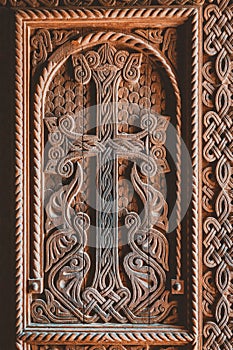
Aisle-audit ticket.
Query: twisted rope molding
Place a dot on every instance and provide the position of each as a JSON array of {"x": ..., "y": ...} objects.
[
  {"x": 37, "y": 261},
  {"x": 196, "y": 285},
  {"x": 168, "y": 12},
  {"x": 135, "y": 337},
  {"x": 19, "y": 181}
]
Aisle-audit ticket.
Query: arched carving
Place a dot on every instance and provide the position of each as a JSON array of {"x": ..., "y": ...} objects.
[{"x": 68, "y": 262}]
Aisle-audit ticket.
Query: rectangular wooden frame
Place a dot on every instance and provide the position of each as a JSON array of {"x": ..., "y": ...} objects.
[{"x": 206, "y": 323}]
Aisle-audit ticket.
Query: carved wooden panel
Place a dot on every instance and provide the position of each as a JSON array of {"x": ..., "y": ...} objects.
[{"x": 124, "y": 174}]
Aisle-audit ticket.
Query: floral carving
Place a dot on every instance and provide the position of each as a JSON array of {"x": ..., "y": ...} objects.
[
  {"x": 44, "y": 41},
  {"x": 165, "y": 40}
]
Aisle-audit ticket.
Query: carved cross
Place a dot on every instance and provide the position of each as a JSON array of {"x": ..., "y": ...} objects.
[
  {"x": 107, "y": 67},
  {"x": 107, "y": 297}
]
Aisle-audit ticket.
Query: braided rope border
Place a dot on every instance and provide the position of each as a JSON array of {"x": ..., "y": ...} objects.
[
  {"x": 37, "y": 260},
  {"x": 19, "y": 180},
  {"x": 155, "y": 338},
  {"x": 123, "y": 13},
  {"x": 88, "y": 14},
  {"x": 195, "y": 134}
]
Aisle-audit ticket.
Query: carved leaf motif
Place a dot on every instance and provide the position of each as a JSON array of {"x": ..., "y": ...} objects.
[
  {"x": 42, "y": 44},
  {"x": 71, "y": 276},
  {"x": 131, "y": 71},
  {"x": 153, "y": 202},
  {"x": 138, "y": 272},
  {"x": 145, "y": 274},
  {"x": 57, "y": 245},
  {"x": 61, "y": 215},
  {"x": 156, "y": 244},
  {"x": 59, "y": 37},
  {"x": 169, "y": 45},
  {"x": 153, "y": 35},
  {"x": 82, "y": 71},
  {"x": 163, "y": 40},
  {"x": 49, "y": 310}
]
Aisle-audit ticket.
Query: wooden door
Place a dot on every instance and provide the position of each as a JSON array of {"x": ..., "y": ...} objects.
[{"x": 123, "y": 174}]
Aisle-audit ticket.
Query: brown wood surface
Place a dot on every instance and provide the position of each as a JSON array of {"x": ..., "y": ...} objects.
[{"x": 96, "y": 88}]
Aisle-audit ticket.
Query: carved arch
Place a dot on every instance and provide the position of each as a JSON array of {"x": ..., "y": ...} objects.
[
  {"x": 59, "y": 57},
  {"x": 58, "y": 60},
  {"x": 84, "y": 42}
]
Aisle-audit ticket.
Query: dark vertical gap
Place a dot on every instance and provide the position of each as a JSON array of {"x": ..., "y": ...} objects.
[
  {"x": 7, "y": 161},
  {"x": 184, "y": 69}
]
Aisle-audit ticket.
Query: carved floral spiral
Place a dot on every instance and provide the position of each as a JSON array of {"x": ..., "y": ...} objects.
[
  {"x": 148, "y": 167},
  {"x": 82, "y": 70},
  {"x": 131, "y": 71},
  {"x": 148, "y": 122},
  {"x": 82, "y": 221},
  {"x": 66, "y": 124},
  {"x": 65, "y": 168},
  {"x": 159, "y": 136},
  {"x": 56, "y": 138},
  {"x": 56, "y": 153},
  {"x": 120, "y": 58},
  {"x": 93, "y": 59},
  {"x": 132, "y": 220}
]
